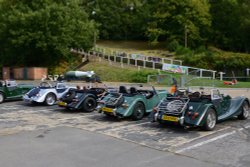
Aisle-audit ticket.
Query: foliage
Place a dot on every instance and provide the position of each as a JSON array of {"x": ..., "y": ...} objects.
[
  {"x": 118, "y": 19},
  {"x": 217, "y": 60},
  {"x": 173, "y": 45},
  {"x": 231, "y": 24},
  {"x": 180, "y": 50},
  {"x": 141, "y": 76},
  {"x": 173, "y": 18},
  {"x": 41, "y": 33}
]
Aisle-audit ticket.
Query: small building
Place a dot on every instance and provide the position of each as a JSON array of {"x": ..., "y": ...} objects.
[{"x": 24, "y": 73}]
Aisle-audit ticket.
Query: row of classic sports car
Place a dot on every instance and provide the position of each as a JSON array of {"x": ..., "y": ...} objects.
[{"x": 188, "y": 109}]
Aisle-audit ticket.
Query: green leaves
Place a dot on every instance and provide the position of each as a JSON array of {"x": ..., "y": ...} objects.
[
  {"x": 176, "y": 17},
  {"x": 42, "y": 30}
]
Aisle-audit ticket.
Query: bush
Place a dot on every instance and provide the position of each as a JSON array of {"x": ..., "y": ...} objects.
[
  {"x": 141, "y": 76},
  {"x": 173, "y": 45},
  {"x": 201, "y": 49},
  {"x": 183, "y": 51}
]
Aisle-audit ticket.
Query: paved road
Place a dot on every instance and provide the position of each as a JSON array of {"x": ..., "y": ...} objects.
[{"x": 50, "y": 136}]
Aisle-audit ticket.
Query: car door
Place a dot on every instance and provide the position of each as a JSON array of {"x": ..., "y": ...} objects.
[
  {"x": 12, "y": 90},
  {"x": 217, "y": 101},
  {"x": 152, "y": 99},
  {"x": 60, "y": 89}
]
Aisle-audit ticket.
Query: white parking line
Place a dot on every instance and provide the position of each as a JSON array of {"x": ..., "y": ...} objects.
[
  {"x": 202, "y": 136},
  {"x": 211, "y": 140}
]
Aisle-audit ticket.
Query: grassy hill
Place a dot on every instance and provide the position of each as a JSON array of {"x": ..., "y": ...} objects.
[{"x": 114, "y": 73}]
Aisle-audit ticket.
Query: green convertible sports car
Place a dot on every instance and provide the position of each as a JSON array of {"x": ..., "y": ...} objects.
[
  {"x": 9, "y": 89},
  {"x": 200, "y": 109},
  {"x": 134, "y": 103}
]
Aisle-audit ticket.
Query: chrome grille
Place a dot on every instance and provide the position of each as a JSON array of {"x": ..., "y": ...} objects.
[{"x": 172, "y": 106}]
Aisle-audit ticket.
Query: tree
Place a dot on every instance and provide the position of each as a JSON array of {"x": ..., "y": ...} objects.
[
  {"x": 119, "y": 19},
  {"x": 41, "y": 32},
  {"x": 225, "y": 23},
  {"x": 173, "y": 18}
]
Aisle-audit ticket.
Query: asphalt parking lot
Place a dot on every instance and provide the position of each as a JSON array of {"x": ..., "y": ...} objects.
[{"x": 50, "y": 136}]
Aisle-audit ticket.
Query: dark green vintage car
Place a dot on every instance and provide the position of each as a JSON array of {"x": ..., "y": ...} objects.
[
  {"x": 199, "y": 109},
  {"x": 135, "y": 102},
  {"x": 9, "y": 90}
]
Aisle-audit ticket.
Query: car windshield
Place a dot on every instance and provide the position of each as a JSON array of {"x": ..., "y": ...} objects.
[{"x": 45, "y": 85}]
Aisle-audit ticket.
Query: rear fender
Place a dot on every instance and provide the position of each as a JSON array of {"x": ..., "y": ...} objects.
[
  {"x": 199, "y": 121},
  {"x": 129, "y": 110},
  {"x": 84, "y": 98}
]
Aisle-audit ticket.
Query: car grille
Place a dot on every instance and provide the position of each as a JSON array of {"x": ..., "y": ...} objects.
[{"x": 172, "y": 106}]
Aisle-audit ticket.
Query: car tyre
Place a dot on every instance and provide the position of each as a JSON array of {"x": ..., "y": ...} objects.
[
  {"x": 1, "y": 97},
  {"x": 50, "y": 99},
  {"x": 210, "y": 121},
  {"x": 245, "y": 111},
  {"x": 89, "y": 104},
  {"x": 138, "y": 111}
]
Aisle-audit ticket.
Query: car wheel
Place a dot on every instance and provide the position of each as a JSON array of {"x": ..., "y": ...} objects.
[
  {"x": 1, "y": 97},
  {"x": 245, "y": 111},
  {"x": 210, "y": 120},
  {"x": 89, "y": 104},
  {"x": 50, "y": 99},
  {"x": 138, "y": 111}
]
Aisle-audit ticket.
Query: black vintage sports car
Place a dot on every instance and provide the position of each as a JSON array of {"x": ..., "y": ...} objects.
[{"x": 83, "y": 100}]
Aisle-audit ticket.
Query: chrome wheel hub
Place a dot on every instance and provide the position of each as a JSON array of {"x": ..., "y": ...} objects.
[
  {"x": 1, "y": 98},
  {"x": 50, "y": 100},
  {"x": 211, "y": 120},
  {"x": 245, "y": 111}
]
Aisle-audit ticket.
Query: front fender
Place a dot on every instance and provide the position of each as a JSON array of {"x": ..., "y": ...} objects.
[
  {"x": 41, "y": 98},
  {"x": 235, "y": 106}
]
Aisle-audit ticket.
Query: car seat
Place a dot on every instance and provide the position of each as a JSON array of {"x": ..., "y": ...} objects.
[
  {"x": 122, "y": 89},
  {"x": 133, "y": 90}
]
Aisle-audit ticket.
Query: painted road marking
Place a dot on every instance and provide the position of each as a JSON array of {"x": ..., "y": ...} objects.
[
  {"x": 211, "y": 140},
  {"x": 200, "y": 137}
]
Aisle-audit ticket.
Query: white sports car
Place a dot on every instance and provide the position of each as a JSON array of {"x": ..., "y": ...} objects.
[{"x": 46, "y": 93}]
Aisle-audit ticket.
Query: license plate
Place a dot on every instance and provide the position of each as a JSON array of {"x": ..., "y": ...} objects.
[
  {"x": 170, "y": 118},
  {"x": 105, "y": 109},
  {"x": 61, "y": 103}
]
